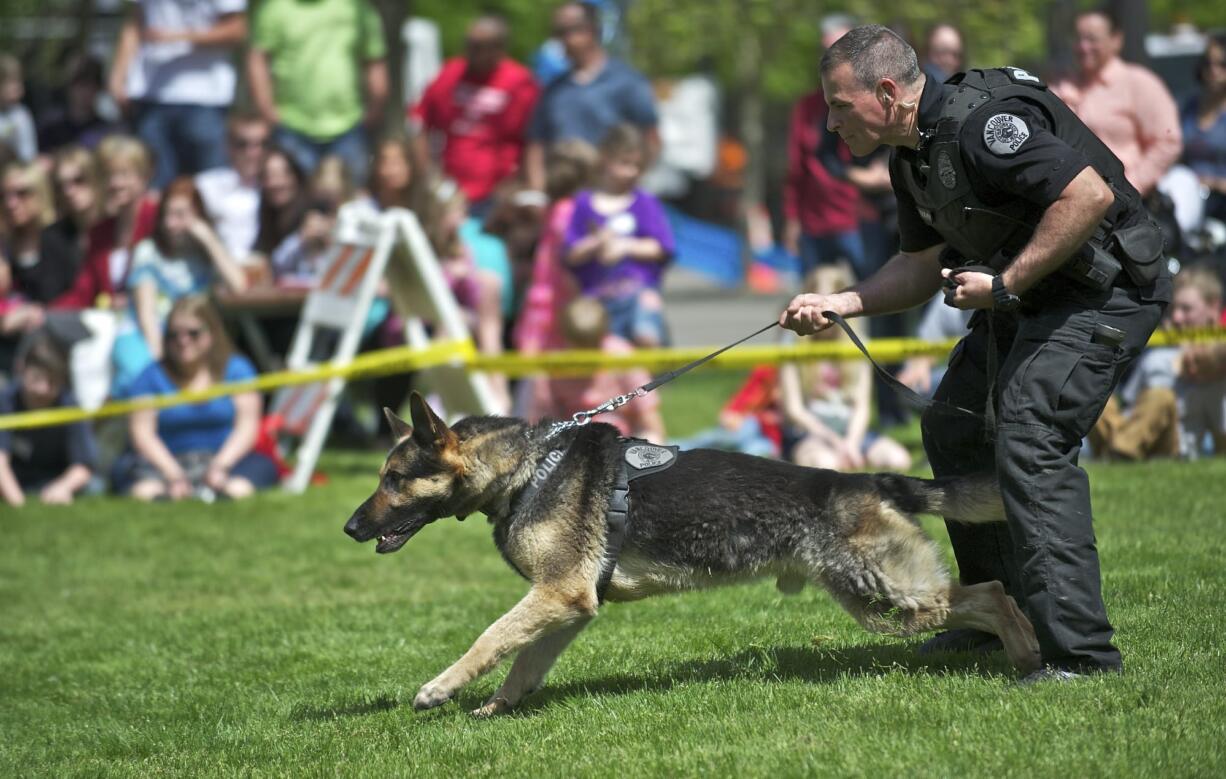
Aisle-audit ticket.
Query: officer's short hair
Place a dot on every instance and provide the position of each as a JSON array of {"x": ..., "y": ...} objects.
[{"x": 874, "y": 52}]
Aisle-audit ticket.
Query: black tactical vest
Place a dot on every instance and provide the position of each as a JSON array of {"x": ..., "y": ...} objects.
[{"x": 993, "y": 233}]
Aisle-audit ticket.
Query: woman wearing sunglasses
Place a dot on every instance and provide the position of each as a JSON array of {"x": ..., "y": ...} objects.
[
  {"x": 35, "y": 263},
  {"x": 204, "y": 449}
]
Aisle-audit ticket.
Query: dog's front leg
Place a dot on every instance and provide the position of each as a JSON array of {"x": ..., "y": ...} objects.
[
  {"x": 541, "y": 611},
  {"x": 530, "y": 667}
]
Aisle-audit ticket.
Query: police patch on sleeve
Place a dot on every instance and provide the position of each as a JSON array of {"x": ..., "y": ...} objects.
[{"x": 1004, "y": 134}]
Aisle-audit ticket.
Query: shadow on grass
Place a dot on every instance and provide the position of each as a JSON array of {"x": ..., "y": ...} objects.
[
  {"x": 754, "y": 663},
  {"x": 779, "y": 663},
  {"x": 306, "y": 713}
]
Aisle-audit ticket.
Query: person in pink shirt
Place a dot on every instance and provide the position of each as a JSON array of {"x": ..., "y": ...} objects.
[
  {"x": 1125, "y": 105},
  {"x": 570, "y": 166},
  {"x": 478, "y": 109}
]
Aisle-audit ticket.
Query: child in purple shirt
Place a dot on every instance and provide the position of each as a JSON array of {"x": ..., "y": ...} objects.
[{"x": 619, "y": 241}]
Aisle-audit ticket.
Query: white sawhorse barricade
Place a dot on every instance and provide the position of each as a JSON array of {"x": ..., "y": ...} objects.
[{"x": 366, "y": 247}]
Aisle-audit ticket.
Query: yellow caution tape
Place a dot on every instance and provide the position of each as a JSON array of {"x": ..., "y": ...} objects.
[
  {"x": 1196, "y": 335},
  {"x": 462, "y": 354},
  {"x": 364, "y": 366}
]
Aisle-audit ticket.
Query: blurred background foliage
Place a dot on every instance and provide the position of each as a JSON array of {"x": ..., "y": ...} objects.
[
  {"x": 763, "y": 53},
  {"x": 672, "y": 37}
]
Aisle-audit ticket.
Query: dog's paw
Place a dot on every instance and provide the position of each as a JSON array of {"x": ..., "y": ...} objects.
[
  {"x": 494, "y": 707},
  {"x": 431, "y": 695}
]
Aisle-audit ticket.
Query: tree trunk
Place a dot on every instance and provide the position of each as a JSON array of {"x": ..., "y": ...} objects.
[
  {"x": 1133, "y": 16},
  {"x": 1060, "y": 57},
  {"x": 394, "y": 14}
]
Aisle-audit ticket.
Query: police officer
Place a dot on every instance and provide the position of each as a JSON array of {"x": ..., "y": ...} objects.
[{"x": 1007, "y": 200}]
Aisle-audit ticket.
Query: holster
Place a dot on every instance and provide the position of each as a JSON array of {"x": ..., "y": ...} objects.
[
  {"x": 1092, "y": 266},
  {"x": 1139, "y": 248}
]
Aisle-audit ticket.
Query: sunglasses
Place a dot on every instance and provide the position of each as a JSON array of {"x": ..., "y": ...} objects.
[{"x": 185, "y": 333}]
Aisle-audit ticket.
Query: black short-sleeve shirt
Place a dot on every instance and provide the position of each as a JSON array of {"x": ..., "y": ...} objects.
[
  {"x": 1036, "y": 170},
  {"x": 52, "y": 271}
]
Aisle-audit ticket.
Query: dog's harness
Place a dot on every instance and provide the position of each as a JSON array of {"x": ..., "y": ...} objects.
[{"x": 637, "y": 458}]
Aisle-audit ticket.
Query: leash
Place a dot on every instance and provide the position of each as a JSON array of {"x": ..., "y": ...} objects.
[
  {"x": 913, "y": 398},
  {"x": 581, "y": 418}
]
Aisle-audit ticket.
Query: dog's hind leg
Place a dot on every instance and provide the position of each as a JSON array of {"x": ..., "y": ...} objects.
[
  {"x": 989, "y": 608},
  {"x": 542, "y": 610},
  {"x": 530, "y": 668}
]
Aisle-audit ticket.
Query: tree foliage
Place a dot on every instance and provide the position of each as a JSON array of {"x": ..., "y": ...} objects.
[
  {"x": 673, "y": 36},
  {"x": 670, "y": 37}
]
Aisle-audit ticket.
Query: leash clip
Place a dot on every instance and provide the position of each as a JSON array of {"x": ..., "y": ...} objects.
[{"x": 581, "y": 418}]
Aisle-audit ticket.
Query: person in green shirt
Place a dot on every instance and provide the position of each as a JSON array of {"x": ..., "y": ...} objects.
[{"x": 318, "y": 74}]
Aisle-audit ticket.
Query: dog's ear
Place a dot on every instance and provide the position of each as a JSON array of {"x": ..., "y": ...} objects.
[
  {"x": 400, "y": 428},
  {"x": 428, "y": 429}
]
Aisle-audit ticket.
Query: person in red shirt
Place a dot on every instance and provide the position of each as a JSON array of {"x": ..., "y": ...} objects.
[
  {"x": 478, "y": 108},
  {"x": 820, "y": 205},
  {"x": 131, "y": 212}
]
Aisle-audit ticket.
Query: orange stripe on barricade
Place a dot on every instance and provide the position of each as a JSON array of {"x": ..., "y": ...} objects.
[
  {"x": 359, "y": 272},
  {"x": 320, "y": 396},
  {"x": 291, "y": 399},
  {"x": 312, "y": 399},
  {"x": 342, "y": 258},
  {"x": 295, "y": 423}
]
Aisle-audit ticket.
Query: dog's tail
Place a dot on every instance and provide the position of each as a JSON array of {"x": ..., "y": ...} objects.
[{"x": 972, "y": 499}]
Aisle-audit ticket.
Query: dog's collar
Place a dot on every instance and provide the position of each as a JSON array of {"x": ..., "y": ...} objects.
[{"x": 541, "y": 472}]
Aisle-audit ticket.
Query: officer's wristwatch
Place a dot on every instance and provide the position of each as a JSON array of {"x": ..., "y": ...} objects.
[{"x": 1002, "y": 298}]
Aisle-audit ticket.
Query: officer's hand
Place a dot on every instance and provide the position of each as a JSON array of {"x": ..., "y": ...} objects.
[
  {"x": 804, "y": 314},
  {"x": 970, "y": 289}
]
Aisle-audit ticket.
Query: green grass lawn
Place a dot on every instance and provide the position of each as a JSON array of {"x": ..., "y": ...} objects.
[{"x": 256, "y": 638}]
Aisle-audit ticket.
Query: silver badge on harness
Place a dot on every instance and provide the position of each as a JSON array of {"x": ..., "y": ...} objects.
[
  {"x": 643, "y": 457},
  {"x": 945, "y": 170},
  {"x": 1004, "y": 134}
]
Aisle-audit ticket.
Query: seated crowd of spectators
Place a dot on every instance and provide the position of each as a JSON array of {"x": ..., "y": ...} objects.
[
  {"x": 119, "y": 239},
  {"x": 118, "y": 235}
]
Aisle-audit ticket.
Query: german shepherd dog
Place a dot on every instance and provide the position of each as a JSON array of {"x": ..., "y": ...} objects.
[{"x": 712, "y": 518}]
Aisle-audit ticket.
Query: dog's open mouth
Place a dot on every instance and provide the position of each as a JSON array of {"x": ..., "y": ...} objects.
[{"x": 390, "y": 542}]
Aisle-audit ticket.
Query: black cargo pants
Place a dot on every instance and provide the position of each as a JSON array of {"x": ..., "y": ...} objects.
[{"x": 1052, "y": 383}]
